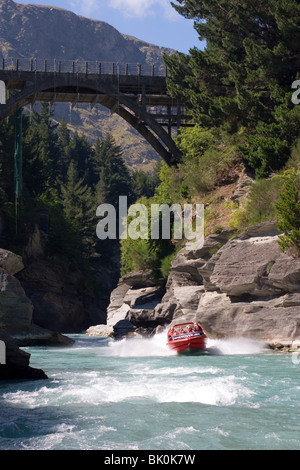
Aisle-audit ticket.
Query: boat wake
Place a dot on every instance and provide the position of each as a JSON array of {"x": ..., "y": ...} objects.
[
  {"x": 156, "y": 346},
  {"x": 235, "y": 346},
  {"x": 141, "y": 347}
]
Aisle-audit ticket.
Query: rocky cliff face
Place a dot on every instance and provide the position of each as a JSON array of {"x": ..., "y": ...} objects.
[
  {"x": 249, "y": 288},
  {"x": 17, "y": 364},
  {"x": 60, "y": 298},
  {"x": 16, "y": 311},
  {"x": 40, "y": 300},
  {"x": 242, "y": 286},
  {"x": 58, "y": 293}
]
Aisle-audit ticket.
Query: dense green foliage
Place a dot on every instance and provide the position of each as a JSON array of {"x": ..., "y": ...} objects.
[
  {"x": 288, "y": 212},
  {"x": 65, "y": 176},
  {"x": 146, "y": 253},
  {"x": 239, "y": 90},
  {"x": 244, "y": 76}
]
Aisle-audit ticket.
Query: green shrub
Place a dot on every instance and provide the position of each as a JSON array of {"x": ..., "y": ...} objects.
[
  {"x": 266, "y": 151},
  {"x": 166, "y": 265},
  {"x": 63, "y": 236},
  {"x": 135, "y": 255},
  {"x": 262, "y": 200},
  {"x": 261, "y": 204},
  {"x": 288, "y": 212}
]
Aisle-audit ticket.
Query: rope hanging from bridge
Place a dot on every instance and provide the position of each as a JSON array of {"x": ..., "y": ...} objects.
[{"x": 18, "y": 179}]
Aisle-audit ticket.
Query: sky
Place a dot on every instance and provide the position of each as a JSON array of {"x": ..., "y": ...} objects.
[{"x": 153, "y": 21}]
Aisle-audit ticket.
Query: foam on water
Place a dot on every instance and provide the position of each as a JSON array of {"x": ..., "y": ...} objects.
[
  {"x": 136, "y": 394},
  {"x": 199, "y": 385},
  {"x": 234, "y": 346},
  {"x": 141, "y": 347},
  {"x": 156, "y": 346},
  {"x": 194, "y": 382}
]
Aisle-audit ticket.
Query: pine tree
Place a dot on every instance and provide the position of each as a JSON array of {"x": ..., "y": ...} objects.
[
  {"x": 78, "y": 204},
  {"x": 252, "y": 47},
  {"x": 3, "y": 196},
  {"x": 114, "y": 178},
  {"x": 288, "y": 212},
  {"x": 244, "y": 75},
  {"x": 144, "y": 184},
  {"x": 101, "y": 192},
  {"x": 6, "y": 158},
  {"x": 40, "y": 149},
  {"x": 64, "y": 155},
  {"x": 80, "y": 151}
]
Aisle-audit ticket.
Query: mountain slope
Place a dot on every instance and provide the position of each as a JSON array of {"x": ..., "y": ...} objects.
[
  {"x": 54, "y": 33},
  {"x": 51, "y": 32}
]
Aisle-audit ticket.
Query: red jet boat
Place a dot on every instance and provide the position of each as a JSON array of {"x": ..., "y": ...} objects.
[{"x": 186, "y": 337}]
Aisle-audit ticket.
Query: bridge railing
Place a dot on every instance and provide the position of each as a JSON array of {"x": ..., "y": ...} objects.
[{"x": 82, "y": 67}]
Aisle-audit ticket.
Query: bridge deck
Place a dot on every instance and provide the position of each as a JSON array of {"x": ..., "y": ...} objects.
[
  {"x": 80, "y": 66},
  {"x": 135, "y": 92},
  {"x": 83, "y": 81},
  {"x": 154, "y": 89}
]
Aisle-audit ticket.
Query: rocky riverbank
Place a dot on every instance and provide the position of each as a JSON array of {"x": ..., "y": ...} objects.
[
  {"x": 235, "y": 286},
  {"x": 40, "y": 300},
  {"x": 17, "y": 363},
  {"x": 15, "y": 321},
  {"x": 132, "y": 307}
]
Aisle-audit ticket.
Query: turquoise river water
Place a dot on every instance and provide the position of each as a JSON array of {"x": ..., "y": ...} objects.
[{"x": 136, "y": 395}]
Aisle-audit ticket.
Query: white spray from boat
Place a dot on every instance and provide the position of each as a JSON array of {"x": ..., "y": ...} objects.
[{"x": 156, "y": 346}]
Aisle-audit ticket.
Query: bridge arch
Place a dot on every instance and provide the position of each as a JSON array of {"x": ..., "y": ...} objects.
[{"x": 141, "y": 98}]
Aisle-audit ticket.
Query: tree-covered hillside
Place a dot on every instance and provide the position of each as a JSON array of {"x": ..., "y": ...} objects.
[
  {"x": 240, "y": 92},
  {"x": 242, "y": 81},
  {"x": 50, "y": 172}
]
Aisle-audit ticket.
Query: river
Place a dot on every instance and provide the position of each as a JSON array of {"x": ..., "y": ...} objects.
[{"x": 135, "y": 395}]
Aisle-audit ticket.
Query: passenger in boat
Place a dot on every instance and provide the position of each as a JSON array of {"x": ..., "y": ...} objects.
[
  {"x": 180, "y": 331},
  {"x": 172, "y": 333},
  {"x": 189, "y": 329},
  {"x": 196, "y": 328}
]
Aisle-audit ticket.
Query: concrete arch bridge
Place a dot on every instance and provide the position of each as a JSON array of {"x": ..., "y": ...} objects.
[{"x": 137, "y": 93}]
